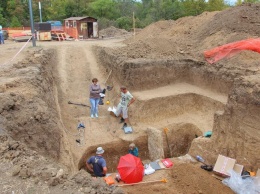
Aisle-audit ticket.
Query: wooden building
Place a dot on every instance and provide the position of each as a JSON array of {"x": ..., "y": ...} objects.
[{"x": 81, "y": 27}]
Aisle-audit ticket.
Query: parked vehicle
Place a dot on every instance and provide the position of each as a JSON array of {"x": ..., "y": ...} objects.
[{"x": 5, "y": 34}]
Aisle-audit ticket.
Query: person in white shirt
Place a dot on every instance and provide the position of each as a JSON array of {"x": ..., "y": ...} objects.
[{"x": 122, "y": 108}]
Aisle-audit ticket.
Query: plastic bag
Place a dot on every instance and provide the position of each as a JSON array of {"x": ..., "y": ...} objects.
[
  {"x": 242, "y": 185},
  {"x": 148, "y": 170},
  {"x": 231, "y": 49},
  {"x": 112, "y": 110}
]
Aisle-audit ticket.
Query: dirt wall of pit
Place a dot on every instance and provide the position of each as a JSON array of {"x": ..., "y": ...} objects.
[
  {"x": 27, "y": 106},
  {"x": 236, "y": 130},
  {"x": 172, "y": 106},
  {"x": 114, "y": 150},
  {"x": 143, "y": 74}
]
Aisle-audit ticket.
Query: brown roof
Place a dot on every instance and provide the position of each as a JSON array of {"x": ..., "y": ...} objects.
[{"x": 77, "y": 18}]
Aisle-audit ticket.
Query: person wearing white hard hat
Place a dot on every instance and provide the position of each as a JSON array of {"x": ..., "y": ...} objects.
[{"x": 97, "y": 164}]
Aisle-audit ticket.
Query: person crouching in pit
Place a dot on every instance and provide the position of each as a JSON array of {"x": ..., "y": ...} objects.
[{"x": 97, "y": 164}]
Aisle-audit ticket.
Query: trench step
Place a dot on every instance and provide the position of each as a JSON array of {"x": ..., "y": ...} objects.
[{"x": 178, "y": 89}]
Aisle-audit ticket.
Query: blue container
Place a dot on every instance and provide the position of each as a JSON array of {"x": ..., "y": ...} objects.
[
  {"x": 208, "y": 134},
  {"x": 56, "y": 25},
  {"x": 200, "y": 159}
]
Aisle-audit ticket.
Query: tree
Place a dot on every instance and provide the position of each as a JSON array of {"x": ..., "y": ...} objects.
[
  {"x": 55, "y": 12},
  {"x": 126, "y": 7},
  {"x": 125, "y": 22},
  {"x": 15, "y": 22},
  {"x": 194, "y": 7},
  {"x": 251, "y": 1},
  {"x": 216, "y": 5},
  {"x": 17, "y": 9},
  {"x": 104, "y": 8},
  {"x": 3, "y": 21}
]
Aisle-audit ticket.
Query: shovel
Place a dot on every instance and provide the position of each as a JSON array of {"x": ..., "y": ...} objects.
[
  {"x": 169, "y": 149},
  {"x": 79, "y": 104},
  {"x": 162, "y": 180}
]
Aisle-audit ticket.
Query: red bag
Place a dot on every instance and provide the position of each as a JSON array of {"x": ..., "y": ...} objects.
[{"x": 167, "y": 163}]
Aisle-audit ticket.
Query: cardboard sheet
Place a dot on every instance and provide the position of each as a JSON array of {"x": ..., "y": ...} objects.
[
  {"x": 238, "y": 168},
  {"x": 223, "y": 165},
  {"x": 161, "y": 165}
]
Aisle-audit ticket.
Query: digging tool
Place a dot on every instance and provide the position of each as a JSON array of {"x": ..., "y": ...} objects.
[
  {"x": 204, "y": 166},
  {"x": 169, "y": 149},
  {"x": 79, "y": 104},
  {"x": 109, "y": 88},
  {"x": 108, "y": 77},
  {"x": 200, "y": 159},
  {"x": 162, "y": 180}
]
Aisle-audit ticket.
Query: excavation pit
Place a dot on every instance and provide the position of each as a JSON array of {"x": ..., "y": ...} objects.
[
  {"x": 157, "y": 144},
  {"x": 114, "y": 150},
  {"x": 179, "y": 103},
  {"x": 186, "y": 110},
  {"x": 178, "y": 138},
  {"x": 35, "y": 109}
]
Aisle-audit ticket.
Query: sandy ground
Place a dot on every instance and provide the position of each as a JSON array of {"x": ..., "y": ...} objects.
[
  {"x": 76, "y": 66},
  {"x": 39, "y": 152}
]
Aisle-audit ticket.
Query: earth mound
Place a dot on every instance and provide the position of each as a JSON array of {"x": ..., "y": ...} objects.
[{"x": 113, "y": 32}]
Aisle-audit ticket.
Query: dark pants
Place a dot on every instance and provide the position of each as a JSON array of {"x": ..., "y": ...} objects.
[{"x": 2, "y": 41}]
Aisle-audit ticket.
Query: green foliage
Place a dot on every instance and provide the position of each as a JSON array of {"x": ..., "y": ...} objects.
[
  {"x": 54, "y": 12},
  {"x": 251, "y": 1},
  {"x": 126, "y": 7},
  {"x": 125, "y": 23},
  {"x": 194, "y": 7},
  {"x": 15, "y": 22},
  {"x": 215, "y": 5},
  {"x": 105, "y": 23},
  {"x": 104, "y": 9},
  {"x": 239, "y": 2},
  {"x": 2, "y": 19},
  {"x": 118, "y": 13}
]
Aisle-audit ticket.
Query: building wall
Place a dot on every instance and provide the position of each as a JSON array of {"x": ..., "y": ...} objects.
[{"x": 77, "y": 28}]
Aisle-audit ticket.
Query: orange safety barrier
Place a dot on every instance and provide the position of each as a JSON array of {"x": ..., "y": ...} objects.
[{"x": 231, "y": 49}]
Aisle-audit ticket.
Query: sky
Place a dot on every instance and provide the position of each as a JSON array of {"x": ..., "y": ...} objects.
[{"x": 231, "y": 2}]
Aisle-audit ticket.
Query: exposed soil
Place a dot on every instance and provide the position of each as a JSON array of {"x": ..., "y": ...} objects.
[
  {"x": 175, "y": 88},
  {"x": 113, "y": 32}
]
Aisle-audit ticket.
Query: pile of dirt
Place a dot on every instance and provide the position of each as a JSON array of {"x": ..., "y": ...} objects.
[
  {"x": 26, "y": 106},
  {"x": 169, "y": 52},
  {"x": 24, "y": 170},
  {"x": 113, "y": 32},
  {"x": 188, "y": 37},
  {"x": 34, "y": 111},
  {"x": 33, "y": 157}
]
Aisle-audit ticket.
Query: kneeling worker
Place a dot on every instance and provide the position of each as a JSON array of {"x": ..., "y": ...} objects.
[
  {"x": 133, "y": 150},
  {"x": 97, "y": 164}
]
